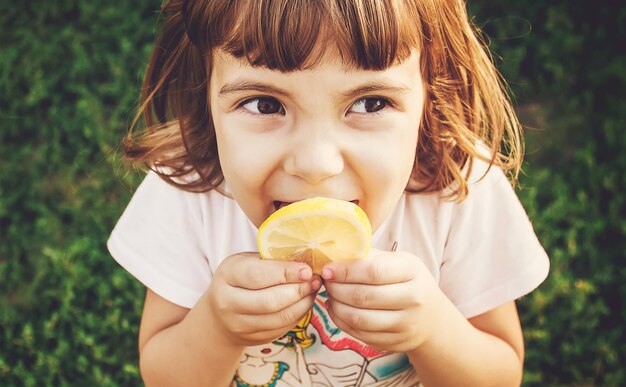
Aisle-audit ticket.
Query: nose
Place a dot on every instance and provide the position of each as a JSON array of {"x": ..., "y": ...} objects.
[{"x": 314, "y": 157}]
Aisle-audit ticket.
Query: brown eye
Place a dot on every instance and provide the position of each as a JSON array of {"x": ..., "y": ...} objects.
[
  {"x": 369, "y": 105},
  {"x": 264, "y": 105}
]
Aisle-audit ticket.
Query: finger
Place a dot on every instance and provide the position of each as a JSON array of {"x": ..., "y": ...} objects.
[
  {"x": 249, "y": 271},
  {"x": 396, "y": 296},
  {"x": 284, "y": 319},
  {"x": 272, "y": 299},
  {"x": 366, "y": 320},
  {"x": 376, "y": 340},
  {"x": 384, "y": 341},
  {"x": 380, "y": 269}
]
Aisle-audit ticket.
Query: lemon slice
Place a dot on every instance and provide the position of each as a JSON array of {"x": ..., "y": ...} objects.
[{"x": 316, "y": 231}]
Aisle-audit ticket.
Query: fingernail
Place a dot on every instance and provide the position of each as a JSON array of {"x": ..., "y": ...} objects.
[
  {"x": 306, "y": 273},
  {"x": 316, "y": 284},
  {"x": 327, "y": 274}
]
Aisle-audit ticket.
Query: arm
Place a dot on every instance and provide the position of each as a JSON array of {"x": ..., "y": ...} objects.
[
  {"x": 176, "y": 348},
  {"x": 249, "y": 302},
  {"x": 391, "y": 302},
  {"x": 486, "y": 350}
]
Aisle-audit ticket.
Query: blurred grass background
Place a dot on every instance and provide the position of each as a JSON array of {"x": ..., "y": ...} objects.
[{"x": 70, "y": 74}]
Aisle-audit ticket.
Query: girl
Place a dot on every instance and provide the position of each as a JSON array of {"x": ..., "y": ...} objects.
[{"x": 391, "y": 104}]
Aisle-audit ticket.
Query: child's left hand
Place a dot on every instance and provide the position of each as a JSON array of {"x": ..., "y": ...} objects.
[{"x": 388, "y": 300}]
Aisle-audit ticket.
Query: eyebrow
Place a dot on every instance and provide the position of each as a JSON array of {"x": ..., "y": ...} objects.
[
  {"x": 368, "y": 88},
  {"x": 243, "y": 85},
  {"x": 373, "y": 88}
]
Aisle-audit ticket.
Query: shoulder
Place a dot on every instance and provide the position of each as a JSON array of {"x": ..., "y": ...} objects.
[
  {"x": 489, "y": 191},
  {"x": 488, "y": 188},
  {"x": 492, "y": 239},
  {"x": 428, "y": 224},
  {"x": 173, "y": 240},
  {"x": 155, "y": 191}
]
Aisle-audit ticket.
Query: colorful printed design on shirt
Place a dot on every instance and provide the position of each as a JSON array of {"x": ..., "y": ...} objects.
[
  {"x": 279, "y": 370},
  {"x": 336, "y": 339},
  {"x": 320, "y": 354},
  {"x": 258, "y": 370}
]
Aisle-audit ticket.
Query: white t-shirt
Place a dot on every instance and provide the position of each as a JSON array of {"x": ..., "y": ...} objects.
[{"x": 483, "y": 252}]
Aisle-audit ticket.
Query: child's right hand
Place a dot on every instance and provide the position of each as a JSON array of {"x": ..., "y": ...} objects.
[{"x": 255, "y": 301}]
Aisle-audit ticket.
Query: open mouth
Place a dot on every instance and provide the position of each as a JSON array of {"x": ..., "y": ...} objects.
[{"x": 278, "y": 204}]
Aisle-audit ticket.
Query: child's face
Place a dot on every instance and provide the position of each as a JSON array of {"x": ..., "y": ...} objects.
[{"x": 327, "y": 131}]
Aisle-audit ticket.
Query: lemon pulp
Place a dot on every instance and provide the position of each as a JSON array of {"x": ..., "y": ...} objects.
[{"x": 316, "y": 231}]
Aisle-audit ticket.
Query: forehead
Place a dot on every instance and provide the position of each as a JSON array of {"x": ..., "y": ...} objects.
[
  {"x": 320, "y": 58},
  {"x": 226, "y": 68}
]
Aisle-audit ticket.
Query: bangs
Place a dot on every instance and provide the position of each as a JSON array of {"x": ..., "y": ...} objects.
[{"x": 288, "y": 35}]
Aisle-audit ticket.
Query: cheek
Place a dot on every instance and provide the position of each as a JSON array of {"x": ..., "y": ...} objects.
[
  {"x": 385, "y": 170},
  {"x": 389, "y": 158},
  {"x": 245, "y": 156},
  {"x": 389, "y": 171}
]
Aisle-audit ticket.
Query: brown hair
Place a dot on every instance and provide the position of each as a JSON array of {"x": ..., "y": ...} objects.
[{"x": 467, "y": 110}]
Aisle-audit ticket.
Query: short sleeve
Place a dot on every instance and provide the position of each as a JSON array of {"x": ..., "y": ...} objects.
[
  {"x": 492, "y": 255},
  {"x": 158, "y": 239}
]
